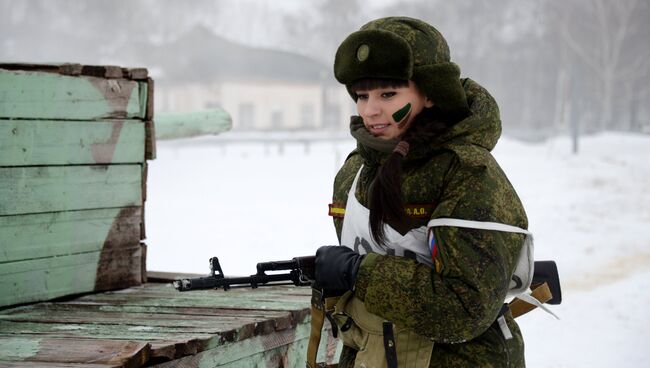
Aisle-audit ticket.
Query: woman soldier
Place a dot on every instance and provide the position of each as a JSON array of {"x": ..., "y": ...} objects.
[{"x": 419, "y": 207}]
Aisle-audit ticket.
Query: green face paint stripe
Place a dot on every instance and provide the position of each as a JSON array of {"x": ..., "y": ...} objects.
[
  {"x": 403, "y": 122},
  {"x": 400, "y": 114}
]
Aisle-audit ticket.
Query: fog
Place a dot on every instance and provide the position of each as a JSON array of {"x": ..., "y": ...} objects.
[{"x": 554, "y": 67}]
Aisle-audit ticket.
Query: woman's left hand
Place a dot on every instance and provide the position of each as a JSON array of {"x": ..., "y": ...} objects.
[{"x": 336, "y": 267}]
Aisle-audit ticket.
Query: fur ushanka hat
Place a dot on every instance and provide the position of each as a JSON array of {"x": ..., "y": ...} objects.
[{"x": 405, "y": 49}]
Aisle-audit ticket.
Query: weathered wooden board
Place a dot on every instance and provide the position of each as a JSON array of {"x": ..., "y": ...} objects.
[
  {"x": 57, "y": 142},
  {"x": 64, "y": 188},
  {"x": 270, "y": 298},
  {"x": 173, "y": 125},
  {"x": 250, "y": 332},
  {"x": 106, "y": 71},
  {"x": 108, "y": 353},
  {"x": 144, "y": 321},
  {"x": 282, "y": 349},
  {"x": 40, "y": 95},
  {"x": 53, "y": 277},
  {"x": 150, "y": 140},
  {"x": 7, "y": 364},
  {"x": 54, "y": 234}
]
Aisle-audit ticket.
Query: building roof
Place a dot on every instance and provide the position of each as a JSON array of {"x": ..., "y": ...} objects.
[{"x": 199, "y": 56}]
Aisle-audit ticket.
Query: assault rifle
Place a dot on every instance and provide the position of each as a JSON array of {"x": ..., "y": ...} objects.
[{"x": 301, "y": 273}]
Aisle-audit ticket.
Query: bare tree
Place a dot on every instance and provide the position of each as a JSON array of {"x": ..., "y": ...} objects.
[
  {"x": 321, "y": 27},
  {"x": 603, "y": 35}
]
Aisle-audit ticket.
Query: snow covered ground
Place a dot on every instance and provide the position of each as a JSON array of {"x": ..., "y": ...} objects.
[{"x": 251, "y": 202}]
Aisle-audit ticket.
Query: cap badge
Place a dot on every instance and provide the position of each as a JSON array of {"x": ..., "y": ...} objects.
[{"x": 362, "y": 52}]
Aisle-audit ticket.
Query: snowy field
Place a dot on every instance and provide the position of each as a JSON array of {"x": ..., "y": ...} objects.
[{"x": 252, "y": 202}]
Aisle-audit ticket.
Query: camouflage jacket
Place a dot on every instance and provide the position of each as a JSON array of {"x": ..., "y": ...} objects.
[{"x": 456, "y": 302}]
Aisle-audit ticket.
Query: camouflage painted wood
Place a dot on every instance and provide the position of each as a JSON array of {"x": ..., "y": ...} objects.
[
  {"x": 235, "y": 298},
  {"x": 201, "y": 335},
  {"x": 41, "y": 351},
  {"x": 58, "y": 142},
  {"x": 75, "y": 69},
  {"x": 76, "y": 315},
  {"x": 72, "y": 178},
  {"x": 7, "y": 364},
  {"x": 281, "y": 349},
  {"x": 26, "y": 190},
  {"x": 54, "y": 234},
  {"x": 53, "y": 277},
  {"x": 40, "y": 95}
]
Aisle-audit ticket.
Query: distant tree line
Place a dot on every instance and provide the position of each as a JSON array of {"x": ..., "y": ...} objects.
[{"x": 554, "y": 66}]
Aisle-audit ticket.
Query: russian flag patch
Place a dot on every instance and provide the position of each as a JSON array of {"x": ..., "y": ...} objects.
[{"x": 433, "y": 245}]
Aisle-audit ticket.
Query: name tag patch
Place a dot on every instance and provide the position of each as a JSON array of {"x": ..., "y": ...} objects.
[{"x": 417, "y": 211}]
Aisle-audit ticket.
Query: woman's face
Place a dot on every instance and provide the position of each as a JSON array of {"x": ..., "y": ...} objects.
[{"x": 388, "y": 112}]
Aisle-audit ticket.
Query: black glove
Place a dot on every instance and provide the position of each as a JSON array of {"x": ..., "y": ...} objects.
[{"x": 336, "y": 268}]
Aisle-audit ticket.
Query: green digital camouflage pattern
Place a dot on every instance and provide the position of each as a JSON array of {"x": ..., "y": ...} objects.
[
  {"x": 406, "y": 49},
  {"x": 427, "y": 44},
  {"x": 457, "y": 304}
]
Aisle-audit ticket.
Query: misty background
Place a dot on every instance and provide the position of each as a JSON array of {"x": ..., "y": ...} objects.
[{"x": 555, "y": 67}]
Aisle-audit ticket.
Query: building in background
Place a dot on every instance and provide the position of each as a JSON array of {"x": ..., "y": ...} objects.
[{"x": 261, "y": 89}]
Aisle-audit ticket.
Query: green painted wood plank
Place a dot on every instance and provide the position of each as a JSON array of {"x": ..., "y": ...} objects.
[
  {"x": 48, "y": 142},
  {"x": 254, "y": 299},
  {"x": 39, "y": 95},
  {"x": 262, "y": 335},
  {"x": 113, "y": 332},
  {"x": 172, "y": 125},
  {"x": 161, "y": 350},
  {"x": 52, "y": 234},
  {"x": 64, "y": 188},
  {"x": 283, "y": 349},
  {"x": 221, "y": 302},
  {"x": 204, "y": 323},
  {"x": 270, "y": 291},
  {"x": 216, "y": 350},
  {"x": 23, "y": 282},
  {"x": 185, "y": 311},
  {"x": 52, "y": 277},
  {"x": 12, "y": 364},
  {"x": 264, "y": 319},
  {"x": 114, "y": 353}
]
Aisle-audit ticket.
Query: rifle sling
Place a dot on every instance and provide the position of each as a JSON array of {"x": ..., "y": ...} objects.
[
  {"x": 317, "y": 321},
  {"x": 319, "y": 307}
]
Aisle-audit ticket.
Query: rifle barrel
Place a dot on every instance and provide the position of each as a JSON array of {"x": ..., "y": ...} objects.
[{"x": 254, "y": 281}]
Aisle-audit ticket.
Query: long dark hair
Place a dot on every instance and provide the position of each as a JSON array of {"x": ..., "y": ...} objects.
[{"x": 385, "y": 200}]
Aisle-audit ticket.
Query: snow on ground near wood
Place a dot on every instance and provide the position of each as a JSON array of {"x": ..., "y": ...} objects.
[{"x": 252, "y": 202}]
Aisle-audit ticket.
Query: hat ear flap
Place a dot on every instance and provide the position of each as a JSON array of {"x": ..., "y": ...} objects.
[{"x": 440, "y": 82}]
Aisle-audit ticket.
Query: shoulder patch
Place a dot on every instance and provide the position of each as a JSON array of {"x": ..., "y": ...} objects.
[{"x": 337, "y": 210}]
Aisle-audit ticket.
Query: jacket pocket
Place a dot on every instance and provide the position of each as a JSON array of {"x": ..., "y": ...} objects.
[{"x": 363, "y": 331}]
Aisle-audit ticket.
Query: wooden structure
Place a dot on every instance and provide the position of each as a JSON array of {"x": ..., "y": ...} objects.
[
  {"x": 74, "y": 140},
  {"x": 174, "y": 125},
  {"x": 154, "y": 325},
  {"x": 74, "y": 145}
]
